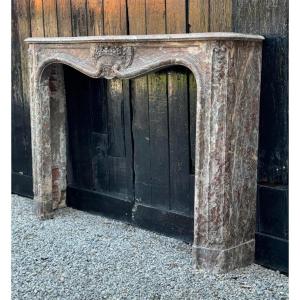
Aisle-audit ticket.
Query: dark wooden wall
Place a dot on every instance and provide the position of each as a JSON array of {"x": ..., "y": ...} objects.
[
  {"x": 270, "y": 18},
  {"x": 97, "y": 17}
]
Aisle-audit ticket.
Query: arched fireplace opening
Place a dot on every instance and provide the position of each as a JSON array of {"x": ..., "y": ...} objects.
[{"x": 131, "y": 148}]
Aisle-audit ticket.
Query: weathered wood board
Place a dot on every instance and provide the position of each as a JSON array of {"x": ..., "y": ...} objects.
[{"x": 270, "y": 18}]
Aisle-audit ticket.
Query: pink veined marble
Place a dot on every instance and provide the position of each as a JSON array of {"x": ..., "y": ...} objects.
[{"x": 227, "y": 69}]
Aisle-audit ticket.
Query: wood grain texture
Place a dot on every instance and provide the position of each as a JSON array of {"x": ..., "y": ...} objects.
[
  {"x": 37, "y": 18},
  {"x": 50, "y": 18},
  {"x": 98, "y": 95},
  {"x": 137, "y": 16},
  {"x": 198, "y": 16},
  {"x": 181, "y": 198},
  {"x": 127, "y": 119},
  {"x": 264, "y": 17},
  {"x": 17, "y": 112},
  {"x": 140, "y": 113},
  {"x": 158, "y": 114},
  {"x": 220, "y": 15},
  {"x": 79, "y": 17},
  {"x": 79, "y": 128},
  {"x": 64, "y": 18},
  {"x": 22, "y": 15},
  {"x": 141, "y": 138},
  {"x": 175, "y": 18},
  {"x": 115, "y": 21},
  {"x": 119, "y": 111},
  {"x": 79, "y": 111},
  {"x": 155, "y": 16},
  {"x": 116, "y": 118},
  {"x": 270, "y": 18},
  {"x": 23, "y": 30},
  {"x": 159, "y": 136},
  {"x": 95, "y": 17}
]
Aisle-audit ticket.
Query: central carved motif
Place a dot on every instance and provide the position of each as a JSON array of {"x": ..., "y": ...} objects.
[{"x": 111, "y": 59}]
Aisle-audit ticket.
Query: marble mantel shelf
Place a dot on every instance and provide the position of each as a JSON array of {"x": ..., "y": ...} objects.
[
  {"x": 227, "y": 69},
  {"x": 206, "y": 36}
]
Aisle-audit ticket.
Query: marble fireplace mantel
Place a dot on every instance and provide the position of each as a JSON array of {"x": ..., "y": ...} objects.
[{"x": 227, "y": 69}]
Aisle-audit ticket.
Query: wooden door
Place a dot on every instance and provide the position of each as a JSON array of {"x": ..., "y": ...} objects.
[{"x": 131, "y": 149}]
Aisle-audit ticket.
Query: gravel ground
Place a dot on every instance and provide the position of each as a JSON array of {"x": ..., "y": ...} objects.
[{"x": 78, "y": 255}]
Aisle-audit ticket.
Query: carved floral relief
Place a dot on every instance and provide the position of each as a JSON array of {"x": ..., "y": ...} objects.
[{"x": 111, "y": 58}]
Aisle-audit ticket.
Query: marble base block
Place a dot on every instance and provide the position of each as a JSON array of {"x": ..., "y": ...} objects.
[{"x": 224, "y": 260}]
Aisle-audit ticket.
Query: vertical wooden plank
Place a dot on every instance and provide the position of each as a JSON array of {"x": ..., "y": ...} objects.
[
  {"x": 17, "y": 109},
  {"x": 220, "y": 15},
  {"x": 100, "y": 161},
  {"x": 181, "y": 191},
  {"x": 118, "y": 179},
  {"x": 137, "y": 16},
  {"x": 22, "y": 10},
  {"x": 79, "y": 17},
  {"x": 119, "y": 110},
  {"x": 80, "y": 122},
  {"x": 116, "y": 119},
  {"x": 140, "y": 114},
  {"x": 98, "y": 91},
  {"x": 158, "y": 114},
  {"x": 98, "y": 100},
  {"x": 176, "y": 16},
  {"x": 155, "y": 16},
  {"x": 270, "y": 18},
  {"x": 50, "y": 18},
  {"x": 115, "y": 21},
  {"x": 95, "y": 17},
  {"x": 141, "y": 139},
  {"x": 21, "y": 14},
  {"x": 198, "y": 15},
  {"x": 128, "y": 174},
  {"x": 37, "y": 18},
  {"x": 79, "y": 125},
  {"x": 99, "y": 105},
  {"x": 159, "y": 148},
  {"x": 178, "y": 106},
  {"x": 114, "y": 13},
  {"x": 64, "y": 21}
]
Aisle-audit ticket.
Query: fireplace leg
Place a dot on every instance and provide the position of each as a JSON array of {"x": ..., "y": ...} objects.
[
  {"x": 226, "y": 159},
  {"x": 48, "y": 127},
  {"x": 41, "y": 147}
]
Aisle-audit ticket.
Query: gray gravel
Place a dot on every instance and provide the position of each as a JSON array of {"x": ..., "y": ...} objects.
[{"x": 78, "y": 255}]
